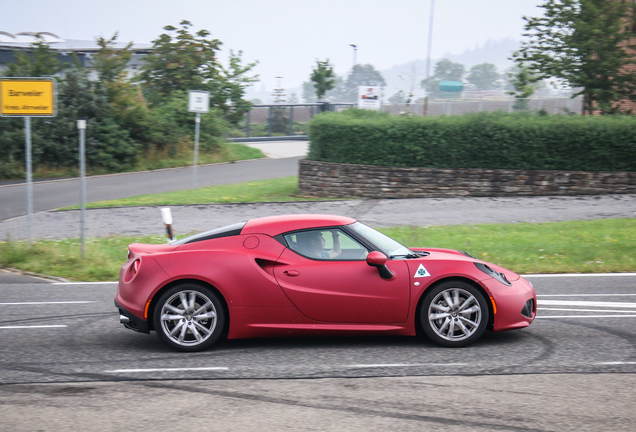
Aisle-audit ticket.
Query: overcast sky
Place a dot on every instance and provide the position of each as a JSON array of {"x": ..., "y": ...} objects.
[{"x": 287, "y": 36}]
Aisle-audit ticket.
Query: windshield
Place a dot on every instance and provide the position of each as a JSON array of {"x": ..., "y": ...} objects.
[{"x": 385, "y": 244}]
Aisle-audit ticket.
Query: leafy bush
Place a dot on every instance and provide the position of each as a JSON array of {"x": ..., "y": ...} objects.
[
  {"x": 482, "y": 140},
  {"x": 171, "y": 121}
]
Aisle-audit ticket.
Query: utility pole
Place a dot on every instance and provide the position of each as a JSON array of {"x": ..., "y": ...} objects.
[
  {"x": 428, "y": 57},
  {"x": 355, "y": 54},
  {"x": 81, "y": 126}
]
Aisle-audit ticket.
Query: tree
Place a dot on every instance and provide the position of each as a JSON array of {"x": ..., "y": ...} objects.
[
  {"x": 584, "y": 44},
  {"x": 108, "y": 145},
  {"x": 183, "y": 61},
  {"x": 39, "y": 61},
  {"x": 445, "y": 70},
  {"x": 279, "y": 120},
  {"x": 309, "y": 92},
  {"x": 337, "y": 94},
  {"x": 180, "y": 61},
  {"x": 228, "y": 91},
  {"x": 523, "y": 82},
  {"x": 361, "y": 75},
  {"x": 110, "y": 63},
  {"x": 484, "y": 76},
  {"x": 279, "y": 95},
  {"x": 323, "y": 78},
  {"x": 398, "y": 98},
  {"x": 129, "y": 108}
]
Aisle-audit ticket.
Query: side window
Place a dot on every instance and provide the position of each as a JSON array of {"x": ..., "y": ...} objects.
[{"x": 326, "y": 244}]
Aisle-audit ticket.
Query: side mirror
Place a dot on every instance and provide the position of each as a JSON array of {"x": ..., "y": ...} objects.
[{"x": 378, "y": 260}]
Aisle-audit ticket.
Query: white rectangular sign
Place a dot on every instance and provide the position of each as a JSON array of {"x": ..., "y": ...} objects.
[
  {"x": 199, "y": 101},
  {"x": 369, "y": 97}
]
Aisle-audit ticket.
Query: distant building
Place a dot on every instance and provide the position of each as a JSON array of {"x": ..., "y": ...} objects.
[{"x": 65, "y": 48}]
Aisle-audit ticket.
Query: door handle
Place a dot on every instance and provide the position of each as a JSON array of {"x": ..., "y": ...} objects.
[{"x": 292, "y": 273}]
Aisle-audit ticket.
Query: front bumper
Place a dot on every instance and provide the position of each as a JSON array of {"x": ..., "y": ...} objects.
[{"x": 516, "y": 305}]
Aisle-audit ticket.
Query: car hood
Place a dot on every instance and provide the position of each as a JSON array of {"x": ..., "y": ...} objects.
[{"x": 460, "y": 256}]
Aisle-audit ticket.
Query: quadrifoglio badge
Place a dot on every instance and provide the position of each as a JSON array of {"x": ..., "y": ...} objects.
[{"x": 421, "y": 272}]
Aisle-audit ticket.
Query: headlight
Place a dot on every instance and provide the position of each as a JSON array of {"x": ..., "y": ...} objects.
[{"x": 493, "y": 274}]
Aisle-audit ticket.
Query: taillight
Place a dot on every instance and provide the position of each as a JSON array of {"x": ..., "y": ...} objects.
[
  {"x": 135, "y": 266},
  {"x": 133, "y": 269}
]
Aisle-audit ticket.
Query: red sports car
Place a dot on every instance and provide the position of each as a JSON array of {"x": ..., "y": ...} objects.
[{"x": 313, "y": 275}]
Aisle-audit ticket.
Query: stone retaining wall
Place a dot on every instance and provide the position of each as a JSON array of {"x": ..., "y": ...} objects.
[{"x": 326, "y": 179}]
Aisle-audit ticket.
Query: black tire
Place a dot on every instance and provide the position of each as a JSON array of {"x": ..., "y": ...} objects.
[
  {"x": 454, "y": 314},
  {"x": 189, "y": 317}
]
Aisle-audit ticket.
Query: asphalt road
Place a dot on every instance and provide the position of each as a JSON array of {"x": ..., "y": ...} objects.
[{"x": 67, "y": 364}]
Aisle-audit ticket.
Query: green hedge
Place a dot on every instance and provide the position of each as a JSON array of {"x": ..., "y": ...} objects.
[{"x": 482, "y": 140}]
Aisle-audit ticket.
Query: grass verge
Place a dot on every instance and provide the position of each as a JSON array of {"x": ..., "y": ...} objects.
[
  {"x": 226, "y": 152},
  {"x": 596, "y": 246},
  {"x": 274, "y": 190},
  {"x": 151, "y": 160}
]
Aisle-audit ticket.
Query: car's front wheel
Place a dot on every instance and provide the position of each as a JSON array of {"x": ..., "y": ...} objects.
[
  {"x": 454, "y": 314},
  {"x": 189, "y": 317}
]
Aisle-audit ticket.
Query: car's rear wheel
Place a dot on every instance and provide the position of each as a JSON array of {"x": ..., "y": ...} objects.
[
  {"x": 454, "y": 314},
  {"x": 189, "y": 317}
]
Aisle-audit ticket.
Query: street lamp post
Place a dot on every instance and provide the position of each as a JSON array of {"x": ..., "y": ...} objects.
[
  {"x": 355, "y": 53},
  {"x": 428, "y": 57}
]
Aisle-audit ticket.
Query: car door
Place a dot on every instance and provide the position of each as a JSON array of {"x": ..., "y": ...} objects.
[{"x": 341, "y": 287}]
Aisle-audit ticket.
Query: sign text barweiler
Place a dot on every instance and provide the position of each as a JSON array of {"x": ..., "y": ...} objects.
[{"x": 27, "y": 97}]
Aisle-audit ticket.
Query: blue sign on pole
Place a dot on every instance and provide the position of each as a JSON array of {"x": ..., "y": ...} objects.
[{"x": 451, "y": 86}]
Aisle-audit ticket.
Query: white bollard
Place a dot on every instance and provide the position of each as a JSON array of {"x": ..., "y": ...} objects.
[{"x": 166, "y": 216}]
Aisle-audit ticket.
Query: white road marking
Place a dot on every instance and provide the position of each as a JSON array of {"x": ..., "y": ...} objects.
[
  {"x": 615, "y": 363},
  {"x": 31, "y": 327},
  {"x": 84, "y": 283},
  {"x": 578, "y": 275},
  {"x": 389, "y": 365},
  {"x": 168, "y": 370},
  {"x": 607, "y": 309},
  {"x": 585, "y": 303},
  {"x": 585, "y": 295},
  {"x": 585, "y": 316},
  {"x": 588, "y": 310},
  {"x": 44, "y": 303}
]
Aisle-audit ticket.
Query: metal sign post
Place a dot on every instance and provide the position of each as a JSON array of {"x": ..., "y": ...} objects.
[
  {"x": 81, "y": 125},
  {"x": 29, "y": 178},
  {"x": 28, "y": 97},
  {"x": 197, "y": 126},
  {"x": 199, "y": 102}
]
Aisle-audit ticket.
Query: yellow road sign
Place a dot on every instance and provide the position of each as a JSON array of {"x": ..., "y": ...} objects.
[{"x": 27, "y": 97}]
